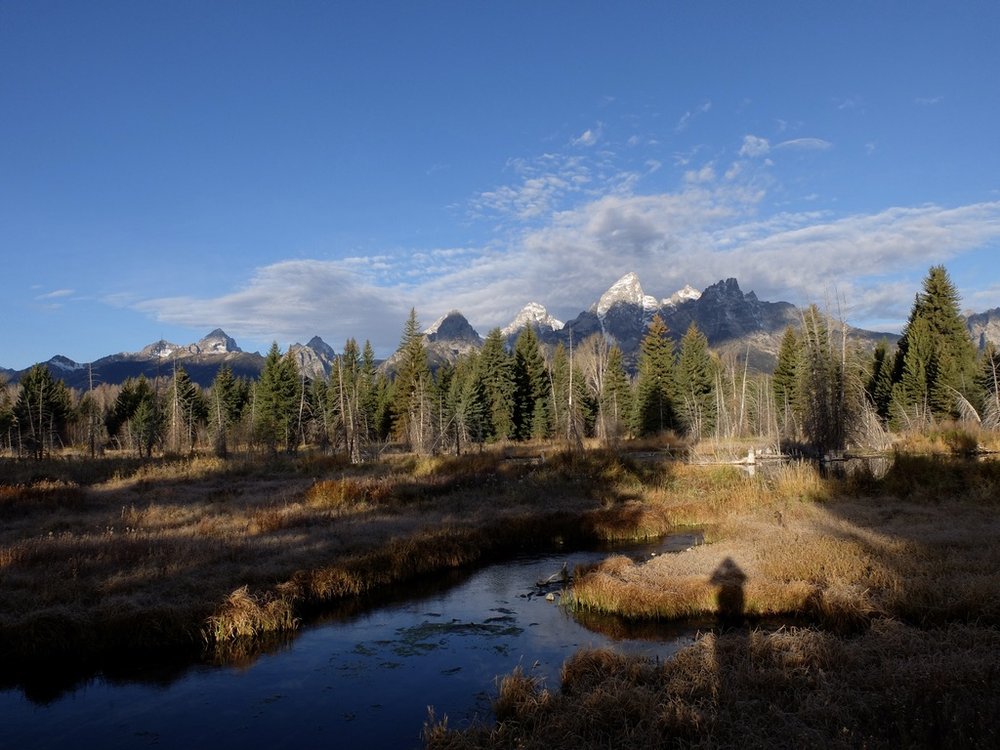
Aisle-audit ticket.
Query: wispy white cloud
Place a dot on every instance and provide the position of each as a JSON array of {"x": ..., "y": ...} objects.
[
  {"x": 691, "y": 114},
  {"x": 703, "y": 175},
  {"x": 57, "y": 294},
  {"x": 698, "y": 235},
  {"x": 293, "y": 299},
  {"x": 754, "y": 146},
  {"x": 589, "y": 137},
  {"x": 539, "y": 187},
  {"x": 928, "y": 101},
  {"x": 805, "y": 144},
  {"x": 567, "y": 223}
]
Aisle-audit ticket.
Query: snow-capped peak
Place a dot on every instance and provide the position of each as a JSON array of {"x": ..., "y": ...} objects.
[
  {"x": 217, "y": 342},
  {"x": 627, "y": 290},
  {"x": 161, "y": 349},
  {"x": 532, "y": 314},
  {"x": 688, "y": 293},
  {"x": 65, "y": 363}
]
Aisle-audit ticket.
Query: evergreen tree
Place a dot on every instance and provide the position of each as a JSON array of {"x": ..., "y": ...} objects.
[
  {"x": 497, "y": 372},
  {"x": 879, "y": 386},
  {"x": 935, "y": 363},
  {"x": 42, "y": 411},
  {"x": 148, "y": 423},
  {"x": 471, "y": 402},
  {"x": 696, "y": 384},
  {"x": 785, "y": 381},
  {"x": 821, "y": 386},
  {"x": 413, "y": 397},
  {"x": 225, "y": 408},
  {"x": 655, "y": 385},
  {"x": 530, "y": 397},
  {"x": 277, "y": 402},
  {"x": 136, "y": 418}
]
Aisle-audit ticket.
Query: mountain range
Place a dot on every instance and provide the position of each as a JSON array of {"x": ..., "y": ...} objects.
[{"x": 734, "y": 322}]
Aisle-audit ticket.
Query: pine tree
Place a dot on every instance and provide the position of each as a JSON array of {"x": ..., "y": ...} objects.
[
  {"x": 413, "y": 398},
  {"x": 148, "y": 423},
  {"x": 472, "y": 403},
  {"x": 879, "y": 386},
  {"x": 655, "y": 385},
  {"x": 278, "y": 401},
  {"x": 822, "y": 386},
  {"x": 530, "y": 402},
  {"x": 136, "y": 417},
  {"x": 373, "y": 399},
  {"x": 696, "y": 384},
  {"x": 785, "y": 381},
  {"x": 225, "y": 408},
  {"x": 42, "y": 411},
  {"x": 496, "y": 369},
  {"x": 935, "y": 364}
]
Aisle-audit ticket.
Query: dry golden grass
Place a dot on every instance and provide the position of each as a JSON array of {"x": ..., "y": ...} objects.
[
  {"x": 843, "y": 560},
  {"x": 177, "y": 553},
  {"x": 893, "y": 686},
  {"x": 949, "y": 438},
  {"x": 901, "y": 572}
]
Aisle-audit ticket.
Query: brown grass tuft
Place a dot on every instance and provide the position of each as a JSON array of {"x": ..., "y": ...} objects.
[{"x": 245, "y": 615}]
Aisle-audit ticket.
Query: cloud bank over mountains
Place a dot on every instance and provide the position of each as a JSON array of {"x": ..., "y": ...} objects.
[{"x": 569, "y": 222}]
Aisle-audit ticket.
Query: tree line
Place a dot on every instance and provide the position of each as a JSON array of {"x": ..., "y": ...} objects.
[{"x": 822, "y": 396}]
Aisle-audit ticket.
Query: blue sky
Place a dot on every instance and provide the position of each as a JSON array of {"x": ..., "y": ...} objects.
[{"x": 290, "y": 169}]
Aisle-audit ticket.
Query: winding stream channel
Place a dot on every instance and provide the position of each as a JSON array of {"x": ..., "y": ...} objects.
[{"x": 361, "y": 679}]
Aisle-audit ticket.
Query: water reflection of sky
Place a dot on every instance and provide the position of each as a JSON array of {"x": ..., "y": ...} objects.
[{"x": 363, "y": 681}]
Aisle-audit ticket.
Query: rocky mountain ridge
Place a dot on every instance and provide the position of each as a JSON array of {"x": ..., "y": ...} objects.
[
  {"x": 984, "y": 327},
  {"x": 734, "y": 323}
]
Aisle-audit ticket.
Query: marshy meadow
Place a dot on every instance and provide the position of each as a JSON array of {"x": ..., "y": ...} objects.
[{"x": 833, "y": 608}]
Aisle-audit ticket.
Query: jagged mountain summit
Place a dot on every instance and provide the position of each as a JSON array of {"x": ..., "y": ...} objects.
[
  {"x": 687, "y": 294},
  {"x": 217, "y": 342},
  {"x": 627, "y": 291},
  {"x": 447, "y": 339},
  {"x": 315, "y": 359},
  {"x": 532, "y": 314},
  {"x": 453, "y": 327}
]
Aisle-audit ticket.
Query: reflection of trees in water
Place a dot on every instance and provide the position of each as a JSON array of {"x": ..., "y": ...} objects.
[{"x": 873, "y": 467}]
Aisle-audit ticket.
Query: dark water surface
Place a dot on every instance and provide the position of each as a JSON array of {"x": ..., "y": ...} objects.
[{"x": 354, "y": 680}]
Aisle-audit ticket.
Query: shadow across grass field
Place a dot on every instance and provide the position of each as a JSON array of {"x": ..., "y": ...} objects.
[{"x": 895, "y": 580}]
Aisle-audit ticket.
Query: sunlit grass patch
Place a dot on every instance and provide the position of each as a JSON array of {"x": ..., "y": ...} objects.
[
  {"x": 349, "y": 492},
  {"x": 245, "y": 615}
]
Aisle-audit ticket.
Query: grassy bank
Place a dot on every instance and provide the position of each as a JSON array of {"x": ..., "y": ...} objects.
[
  {"x": 97, "y": 559},
  {"x": 893, "y": 686},
  {"x": 898, "y": 577}
]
